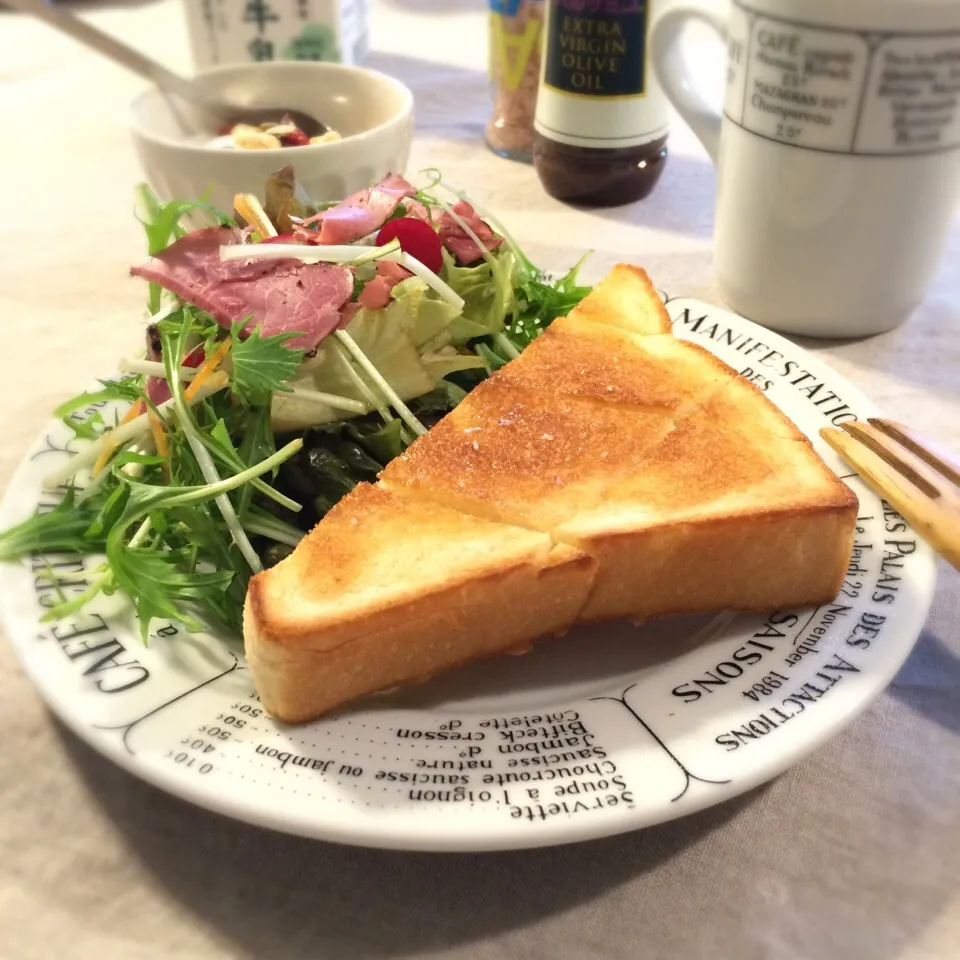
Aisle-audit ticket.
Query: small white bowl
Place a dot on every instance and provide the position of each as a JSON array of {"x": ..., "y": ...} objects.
[{"x": 372, "y": 112}]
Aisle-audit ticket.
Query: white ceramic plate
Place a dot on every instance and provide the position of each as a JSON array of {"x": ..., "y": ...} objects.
[{"x": 609, "y": 729}]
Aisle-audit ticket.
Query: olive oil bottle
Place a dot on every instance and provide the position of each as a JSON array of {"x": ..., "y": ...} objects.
[{"x": 600, "y": 129}]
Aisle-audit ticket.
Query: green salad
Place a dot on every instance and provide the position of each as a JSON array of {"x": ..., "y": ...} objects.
[{"x": 291, "y": 351}]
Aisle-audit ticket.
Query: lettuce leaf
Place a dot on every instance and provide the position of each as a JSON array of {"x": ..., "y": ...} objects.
[
  {"x": 411, "y": 342},
  {"x": 424, "y": 316},
  {"x": 440, "y": 364},
  {"x": 487, "y": 291},
  {"x": 390, "y": 349}
]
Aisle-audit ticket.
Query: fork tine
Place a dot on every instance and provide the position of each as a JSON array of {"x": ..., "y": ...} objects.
[
  {"x": 884, "y": 450},
  {"x": 920, "y": 447},
  {"x": 919, "y": 490}
]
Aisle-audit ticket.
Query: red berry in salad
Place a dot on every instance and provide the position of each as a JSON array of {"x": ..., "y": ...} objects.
[{"x": 417, "y": 237}]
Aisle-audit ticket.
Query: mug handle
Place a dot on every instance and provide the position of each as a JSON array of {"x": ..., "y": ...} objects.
[{"x": 665, "y": 40}]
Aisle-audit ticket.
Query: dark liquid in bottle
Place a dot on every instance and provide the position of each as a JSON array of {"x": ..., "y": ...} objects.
[{"x": 598, "y": 177}]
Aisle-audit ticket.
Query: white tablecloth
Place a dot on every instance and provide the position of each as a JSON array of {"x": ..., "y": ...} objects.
[{"x": 853, "y": 854}]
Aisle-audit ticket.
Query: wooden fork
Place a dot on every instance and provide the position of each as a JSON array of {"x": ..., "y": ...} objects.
[{"x": 920, "y": 482}]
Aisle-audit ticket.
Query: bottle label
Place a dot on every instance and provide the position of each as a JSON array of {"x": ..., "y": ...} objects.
[
  {"x": 597, "y": 87},
  {"x": 597, "y": 49}
]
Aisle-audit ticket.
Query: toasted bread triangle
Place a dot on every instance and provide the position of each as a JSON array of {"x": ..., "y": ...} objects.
[{"x": 611, "y": 470}]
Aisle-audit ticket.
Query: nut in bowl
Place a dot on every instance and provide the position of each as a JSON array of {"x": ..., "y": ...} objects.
[{"x": 371, "y": 113}]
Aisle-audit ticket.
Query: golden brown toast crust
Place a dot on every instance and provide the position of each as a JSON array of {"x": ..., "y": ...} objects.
[
  {"x": 306, "y": 674},
  {"x": 611, "y": 470},
  {"x": 746, "y": 562},
  {"x": 627, "y": 299}
]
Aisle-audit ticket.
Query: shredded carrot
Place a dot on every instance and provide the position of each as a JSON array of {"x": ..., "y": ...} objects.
[
  {"x": 205, "y": 370},
  {"x": 160, "y": 439},
  {"x": 104, "y": 457}
]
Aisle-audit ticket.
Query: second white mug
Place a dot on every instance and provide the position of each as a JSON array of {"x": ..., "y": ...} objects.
[{"x": 837, "y": 154}]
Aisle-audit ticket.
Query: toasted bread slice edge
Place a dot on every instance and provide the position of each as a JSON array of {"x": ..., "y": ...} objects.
[
  {"x": 616, "y": 301},
  {"x": 303, "y": 682}
]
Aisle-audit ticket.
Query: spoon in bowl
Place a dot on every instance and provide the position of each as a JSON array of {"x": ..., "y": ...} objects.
[{"x": 216, "y": 113}]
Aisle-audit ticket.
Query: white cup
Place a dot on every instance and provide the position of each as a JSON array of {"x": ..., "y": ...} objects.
[
  {"x": 837, "y": 154},
  {"x": 238, "y": 31}
]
